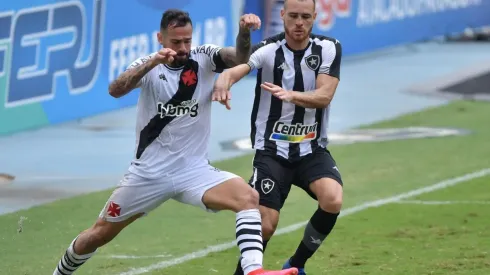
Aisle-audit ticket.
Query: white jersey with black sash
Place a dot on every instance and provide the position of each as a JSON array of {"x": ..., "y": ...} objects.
[{"x": 174, "y": 113}]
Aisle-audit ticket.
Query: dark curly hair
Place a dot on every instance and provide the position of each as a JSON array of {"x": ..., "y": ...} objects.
[{"x": 174, "y": 18}]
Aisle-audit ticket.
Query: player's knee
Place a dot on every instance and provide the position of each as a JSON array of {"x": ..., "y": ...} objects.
[
  {"x": 331, "y": 203},
  {"x": 248, "y": 199}
]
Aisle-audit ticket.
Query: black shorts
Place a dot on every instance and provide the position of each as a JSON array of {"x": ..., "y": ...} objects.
[{"x": 273, "y": 175}]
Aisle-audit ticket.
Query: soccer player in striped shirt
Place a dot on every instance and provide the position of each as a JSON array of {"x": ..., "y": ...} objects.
[{"x": 298, "y": 73}]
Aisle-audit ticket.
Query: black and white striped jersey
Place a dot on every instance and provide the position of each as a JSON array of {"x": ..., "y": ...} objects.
[{"x": 282, "y": 128}]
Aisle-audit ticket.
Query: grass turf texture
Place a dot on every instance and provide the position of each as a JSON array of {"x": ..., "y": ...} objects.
[{"x": 396, "y": 238}]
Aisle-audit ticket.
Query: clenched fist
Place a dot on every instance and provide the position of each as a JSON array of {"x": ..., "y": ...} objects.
[
  {"x": 250, "y": 21},
  {"x": 164, "y": 56}
]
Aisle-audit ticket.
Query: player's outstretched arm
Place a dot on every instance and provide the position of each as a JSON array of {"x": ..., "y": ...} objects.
[
  {"x": 326, "y": 81},
  {"x": 222, "y": 86},
  {"x": 318, "y": 98},
  {"x": 233, "y": 56},
  {"x": 131, "y": 78}
]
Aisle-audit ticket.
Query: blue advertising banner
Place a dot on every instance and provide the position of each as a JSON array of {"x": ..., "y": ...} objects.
[{"x": 57, "y": 58}]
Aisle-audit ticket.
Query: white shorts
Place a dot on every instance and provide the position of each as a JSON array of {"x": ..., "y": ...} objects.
[{"x": 135, "y": 194}]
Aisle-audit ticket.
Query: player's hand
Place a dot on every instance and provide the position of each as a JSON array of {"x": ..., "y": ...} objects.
[
  {"x": 277, "y": 91},
  {"x": 164, "y": 56},
  {"x": 222, "y": 95},
  {"x": 250, "y": 21}
]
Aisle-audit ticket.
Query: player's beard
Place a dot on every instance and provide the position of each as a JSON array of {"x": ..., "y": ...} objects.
[
  {"x": 305, "y": 35},
  {"x": 180, "y": 59}
]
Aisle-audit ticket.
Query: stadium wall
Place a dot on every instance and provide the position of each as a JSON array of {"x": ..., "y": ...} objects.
[{"x": 58, "y": 57}]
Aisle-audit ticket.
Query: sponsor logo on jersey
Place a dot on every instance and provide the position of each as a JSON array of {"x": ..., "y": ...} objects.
[
  {"x": 283, "y": 66},
  {"x": 295, "y": 133},
  {"x": 186, "y": 107}
]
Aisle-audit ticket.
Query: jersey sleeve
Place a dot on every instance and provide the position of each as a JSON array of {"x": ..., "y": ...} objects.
[
  {"x": 138, "y": 62},
  {"x": 331, "y": 59},
  {"x": 217, "y": 62},
  {"x": 256, "y": 60},
  {"x": 210, "y": 57},
  {"x": 261, "y": 50}
]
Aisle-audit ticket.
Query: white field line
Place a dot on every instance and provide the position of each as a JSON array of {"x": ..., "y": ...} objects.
[
  {"x": 442, "y": 202},
  {"x": 349, "y": 211},
  {"x": 138, "y": 257}
]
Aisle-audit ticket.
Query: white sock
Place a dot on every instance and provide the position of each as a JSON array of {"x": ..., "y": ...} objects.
[
  {"x": 71, "y": 261},
  {"x": 249, "y": 239}
]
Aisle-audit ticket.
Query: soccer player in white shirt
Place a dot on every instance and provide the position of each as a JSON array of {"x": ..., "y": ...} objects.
[{"x": 172, "y": 133}]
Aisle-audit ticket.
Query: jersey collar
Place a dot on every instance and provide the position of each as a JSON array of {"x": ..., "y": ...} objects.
[{"x": 173, "y": 69}]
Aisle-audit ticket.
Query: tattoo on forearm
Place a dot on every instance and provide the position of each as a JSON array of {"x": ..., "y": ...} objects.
[
  {"x": 233, "y": 56},
  {"x": 243, "y": 46},
  {"x": 130, "y": 78},
  {"x": 228, "y": 56}
]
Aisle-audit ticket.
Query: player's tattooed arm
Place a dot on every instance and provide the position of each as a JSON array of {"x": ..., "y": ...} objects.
[
  {"x": 228, "y": 78},
  {"x": 233, "y": 56},
  {"x": 131, "y": 78},
  {"x": 243, "y": 46}
]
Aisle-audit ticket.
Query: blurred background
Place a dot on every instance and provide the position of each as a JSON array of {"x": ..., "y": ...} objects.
[{"x": 62, "y": 135}]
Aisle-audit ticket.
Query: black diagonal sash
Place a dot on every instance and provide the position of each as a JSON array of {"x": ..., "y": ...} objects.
[{"x": 184, "y": 93}]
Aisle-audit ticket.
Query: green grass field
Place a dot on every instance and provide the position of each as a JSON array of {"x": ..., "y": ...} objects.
[{"x": 398, "y": 238}]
